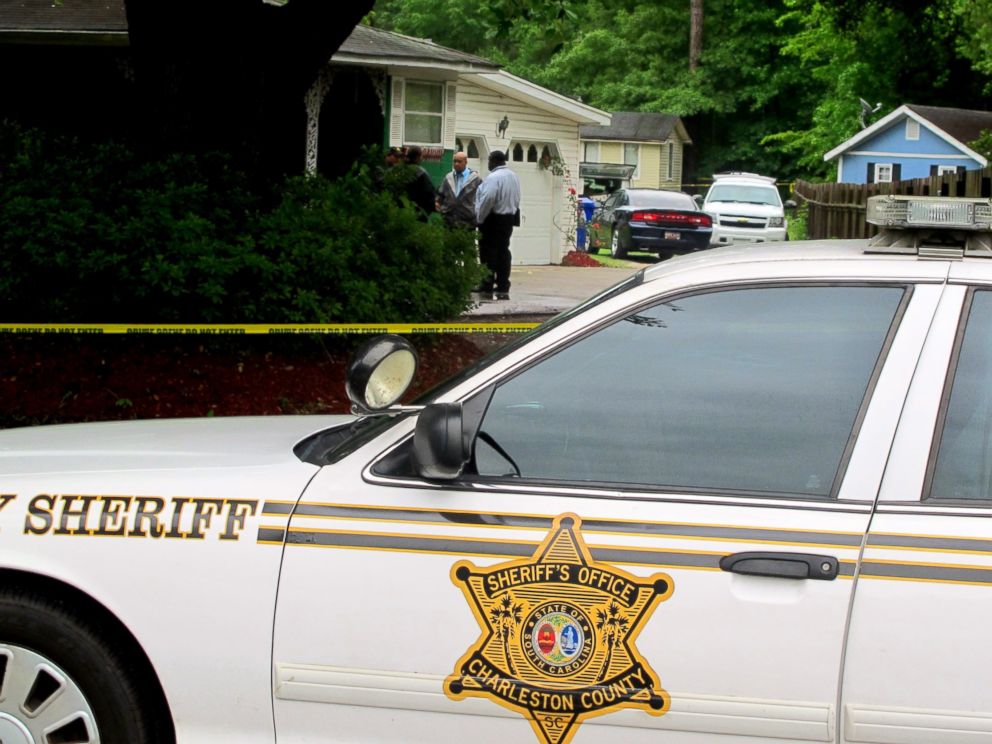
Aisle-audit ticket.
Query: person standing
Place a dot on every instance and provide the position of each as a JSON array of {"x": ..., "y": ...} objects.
[
  {"x": 420, "y": 187},
  {"x": 393, "y": 156},
  {"x": 497, "y": 211},
  {"x": 456, "y": 195}
]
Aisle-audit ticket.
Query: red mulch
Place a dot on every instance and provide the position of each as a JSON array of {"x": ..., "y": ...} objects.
[
  {"x": 61, "y": 379},
  {"x": 578, "y": 258}
]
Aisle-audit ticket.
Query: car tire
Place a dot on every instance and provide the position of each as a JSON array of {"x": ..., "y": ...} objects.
[
  {"x": 617, "y": 248},
  {"x": 67, "y": 675}
]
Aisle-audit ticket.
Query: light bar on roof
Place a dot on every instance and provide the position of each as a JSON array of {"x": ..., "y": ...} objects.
[{"x": 952, "y": 213}]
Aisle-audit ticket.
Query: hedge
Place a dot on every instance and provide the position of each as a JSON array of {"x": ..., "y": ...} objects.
[{"x": 93, "y": 233}]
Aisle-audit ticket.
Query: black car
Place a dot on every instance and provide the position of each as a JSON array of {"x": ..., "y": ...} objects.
[{"x": 653, "y": 220}]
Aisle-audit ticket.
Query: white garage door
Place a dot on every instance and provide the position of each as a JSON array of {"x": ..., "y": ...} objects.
[{"x": 535, "y": 241}]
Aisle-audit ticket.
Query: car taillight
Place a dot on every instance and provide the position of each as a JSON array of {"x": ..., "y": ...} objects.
[{"x": 674, "y": 218}]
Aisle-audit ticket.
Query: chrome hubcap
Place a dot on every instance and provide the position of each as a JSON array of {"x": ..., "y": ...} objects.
[{"x": 40, "y": 703}]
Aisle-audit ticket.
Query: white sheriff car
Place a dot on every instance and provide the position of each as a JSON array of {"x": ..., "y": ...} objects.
[{"x": 772, "y": 522}]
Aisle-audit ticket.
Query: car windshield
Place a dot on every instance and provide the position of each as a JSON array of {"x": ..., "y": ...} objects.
[
  {"x": 663, "y": 199},
  {"x": 725, "y": 192},
  {"x": 439, "y": 390},
  {"x": 331, "y": 445}
]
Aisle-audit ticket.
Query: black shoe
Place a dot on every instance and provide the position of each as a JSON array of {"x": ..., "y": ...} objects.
[{"x": 502, "y": 295}]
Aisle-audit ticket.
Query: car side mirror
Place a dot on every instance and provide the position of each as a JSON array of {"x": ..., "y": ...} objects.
[
  {"x": 380, "y": 373},
  {"x": 441, "y": 445},
  {"x": 790, "y": 204},
  {"x": 698, "y": 199}
]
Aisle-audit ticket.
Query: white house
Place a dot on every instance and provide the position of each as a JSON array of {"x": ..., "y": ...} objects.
[
  {"x": 541, "y": 139},
  {"x": 444, "y": 100}
]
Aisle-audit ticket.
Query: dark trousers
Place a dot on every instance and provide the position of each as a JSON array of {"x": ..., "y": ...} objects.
[{"x": 494, "y": 250}]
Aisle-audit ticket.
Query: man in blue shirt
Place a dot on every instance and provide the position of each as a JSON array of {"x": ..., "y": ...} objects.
[
  {"x": 497, "y": 211},
  {"x": 456, "y": 195}
]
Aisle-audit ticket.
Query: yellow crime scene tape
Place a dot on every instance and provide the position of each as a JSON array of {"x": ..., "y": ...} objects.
[{"x": 220, "y": 329}]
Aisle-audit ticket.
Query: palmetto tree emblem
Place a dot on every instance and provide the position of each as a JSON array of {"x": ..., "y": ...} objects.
[
  {"x": 613, "y": 625},
  {"x": 506, "y": 618}
]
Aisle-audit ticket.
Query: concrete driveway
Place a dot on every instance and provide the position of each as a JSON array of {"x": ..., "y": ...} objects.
[{"x": 548, "y": 290}]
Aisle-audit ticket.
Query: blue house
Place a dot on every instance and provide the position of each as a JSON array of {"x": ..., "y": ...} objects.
[{"x": 912, "y": 142}]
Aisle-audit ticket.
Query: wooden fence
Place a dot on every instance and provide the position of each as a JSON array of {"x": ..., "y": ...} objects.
[{"x": 837, "y": 210}]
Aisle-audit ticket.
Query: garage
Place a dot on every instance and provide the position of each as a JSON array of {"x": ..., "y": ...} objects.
[
  {"x": 536, "y": 128},
  {"x": 534, "y": 241}
]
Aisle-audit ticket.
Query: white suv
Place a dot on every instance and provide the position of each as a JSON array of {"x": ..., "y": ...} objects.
[{"x": 746, "y": 208}]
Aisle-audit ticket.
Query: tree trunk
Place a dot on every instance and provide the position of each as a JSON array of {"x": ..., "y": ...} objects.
[
  {"x": 695, "y": 33},
  {"x": 231, "y": 75}
]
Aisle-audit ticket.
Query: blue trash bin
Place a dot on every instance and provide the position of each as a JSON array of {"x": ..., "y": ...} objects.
[{"x": 586, "y": 207}]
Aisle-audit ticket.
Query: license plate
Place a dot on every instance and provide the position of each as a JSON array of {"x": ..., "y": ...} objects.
[{"x": 673, "y": 236}]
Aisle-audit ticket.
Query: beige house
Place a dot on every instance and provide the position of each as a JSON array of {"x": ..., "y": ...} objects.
[
  {"x": 444, "y": 100},
  {"x": 650, "y": 145}
]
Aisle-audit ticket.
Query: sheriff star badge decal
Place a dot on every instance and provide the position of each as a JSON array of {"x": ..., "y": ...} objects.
[{"x": 558, "y": 631}]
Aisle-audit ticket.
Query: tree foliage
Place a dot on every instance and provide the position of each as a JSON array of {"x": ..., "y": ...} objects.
[{"x": 779, "y": 81}]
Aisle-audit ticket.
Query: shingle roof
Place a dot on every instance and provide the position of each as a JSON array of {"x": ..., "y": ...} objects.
[
  {"x": 67, "y": 15},
  {"x": 964, "y": 125},
  {"x": 369, "y": 42},
  {"x": 632, "y": 126}
]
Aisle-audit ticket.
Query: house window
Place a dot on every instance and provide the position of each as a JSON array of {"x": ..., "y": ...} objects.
[
  {"x": 590, "y": 152},
  {"x": 883, "y": 172},
  {"x": 671, "y": 161},
  {"x": 518, "y": 153},
  {"x": 473, "y": 149},
  {"x": 912, "y": 129},
  {"x": 631, "y": 156},
  {"x": 424, "y": 113},
  {"x": 942, "y": 169},
  {"x": 532, "y": 154}
]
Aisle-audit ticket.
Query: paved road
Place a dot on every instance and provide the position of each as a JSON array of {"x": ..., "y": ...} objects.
[{"x": 548, "y": 290}]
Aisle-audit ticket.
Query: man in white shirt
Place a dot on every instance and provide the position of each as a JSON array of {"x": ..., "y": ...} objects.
[{"x": 497, "y": 211}]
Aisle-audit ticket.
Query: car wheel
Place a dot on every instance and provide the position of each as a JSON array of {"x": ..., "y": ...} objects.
[
  {"x": 617, "y": 248},
  {"x": 62, "y": 681}
]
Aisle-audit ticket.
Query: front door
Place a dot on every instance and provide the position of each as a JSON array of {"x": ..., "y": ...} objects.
[{"x": 658, "y": 534}]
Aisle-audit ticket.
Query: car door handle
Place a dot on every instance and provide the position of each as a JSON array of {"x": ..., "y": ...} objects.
[{"x": 781, "y": 565}]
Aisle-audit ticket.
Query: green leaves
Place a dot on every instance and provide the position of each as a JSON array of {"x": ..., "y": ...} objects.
[
  {"x": 779, "y": 80},
  {"x": 97, "y": 235}
]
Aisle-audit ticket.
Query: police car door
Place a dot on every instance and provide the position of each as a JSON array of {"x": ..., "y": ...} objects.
[
  {"x": 919, "y": 655},
  {"x": 654, "y": 540}
]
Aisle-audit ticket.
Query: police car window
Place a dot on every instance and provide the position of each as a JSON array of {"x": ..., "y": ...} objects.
[
  {"x": 747, "y": 390},
  {"x": 963, "y": 468}
]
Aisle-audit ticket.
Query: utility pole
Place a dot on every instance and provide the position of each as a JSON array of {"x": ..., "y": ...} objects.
[{"x": 695, "y": 33}]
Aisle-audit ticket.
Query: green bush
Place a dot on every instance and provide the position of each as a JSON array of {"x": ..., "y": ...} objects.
[
  {"x": 97, "y": 235},
  {"x": 342, "y": 250},
  {"x": 798, "y": 221}
]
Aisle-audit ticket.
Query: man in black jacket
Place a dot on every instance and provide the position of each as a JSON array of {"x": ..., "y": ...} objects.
[{"x": 420, "y": 188}]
